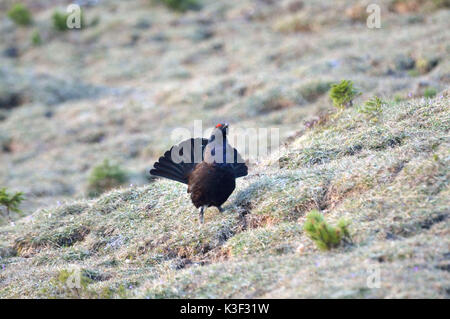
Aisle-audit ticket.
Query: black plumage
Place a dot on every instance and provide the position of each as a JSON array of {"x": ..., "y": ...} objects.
[{"x": 208, "y": 166}]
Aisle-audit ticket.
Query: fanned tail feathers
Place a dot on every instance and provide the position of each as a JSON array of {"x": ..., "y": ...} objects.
[{"x": 166, "y": 167}]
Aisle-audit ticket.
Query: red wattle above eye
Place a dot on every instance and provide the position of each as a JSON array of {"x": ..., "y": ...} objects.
[{"x": 218, "y": 125}]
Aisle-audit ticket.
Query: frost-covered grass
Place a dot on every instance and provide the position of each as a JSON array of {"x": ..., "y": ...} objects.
[{"x": 146, "y": 241}]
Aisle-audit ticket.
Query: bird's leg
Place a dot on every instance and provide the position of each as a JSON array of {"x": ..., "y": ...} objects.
[
  {"x": 220, "y": 209},
  {"x": 201, "y": 215}
]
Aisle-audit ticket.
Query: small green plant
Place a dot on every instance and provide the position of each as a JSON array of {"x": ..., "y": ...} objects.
[
  {"x": 324, "y": 235},
  {"x": 105, "y": 177},
  {"x": 20, "y": 14},
  {"x": 72, "y": 283},
  {"x": 180, "y": 5},
  {"x": 430, "y": 92},
  {"x": 36, "y": 39},
  {"x": 60, "y": 21},
  {"x": 372, "y": 108},
  {"x": 342, "y": 94},
  {"x": 11, "y": 202},
  {"x": 423, "y": 66}
]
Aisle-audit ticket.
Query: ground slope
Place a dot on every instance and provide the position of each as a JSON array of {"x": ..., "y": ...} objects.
[
  {"x": 388, "y": 175},
  {"x": 119, "y": 87}
]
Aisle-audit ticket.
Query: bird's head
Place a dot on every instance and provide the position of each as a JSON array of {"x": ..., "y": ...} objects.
[
  {"x": 219, "y": 132},
  {"x": 222, "y": 127}
]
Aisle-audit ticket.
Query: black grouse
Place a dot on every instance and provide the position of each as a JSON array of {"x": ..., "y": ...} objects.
[{"x": 208, "y": 166}]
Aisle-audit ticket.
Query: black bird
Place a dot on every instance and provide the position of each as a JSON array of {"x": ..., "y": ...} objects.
[{"x": 208, "y": 166}]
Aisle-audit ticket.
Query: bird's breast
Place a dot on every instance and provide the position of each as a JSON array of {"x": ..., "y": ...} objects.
[{"x": 211, "y": 184}]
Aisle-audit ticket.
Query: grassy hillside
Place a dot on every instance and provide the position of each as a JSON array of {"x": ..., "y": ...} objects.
[{"x": 388, "y": 177}]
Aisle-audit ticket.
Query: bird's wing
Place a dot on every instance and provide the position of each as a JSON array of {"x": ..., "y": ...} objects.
[
  {"x": 191, "y": 153},
  {"x": 178, "y": 162},
  {"x": 213, "y": 151},
  {"x": 239, "y": 166}
]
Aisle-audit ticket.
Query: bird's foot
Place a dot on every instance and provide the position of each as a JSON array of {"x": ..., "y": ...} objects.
[{"x": 200, "y": 215}]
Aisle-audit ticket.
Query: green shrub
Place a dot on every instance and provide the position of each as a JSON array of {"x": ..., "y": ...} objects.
[
  {"x": 181, "y": 5},
  {"x": 324, "y": 235},
  {"x": 105, "y": 177},
  {"x": 343, "y": 93},
  {"x": 11, "y": 202},
  {"x": 60, "y": 21},
  {"x": 430, "y": 92},
  {"x": 20, "y": 14},
  {"x": 372, "y": 108},
  {"x": 36, "y": 39},
  {"x": 72, "y": 283}
]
